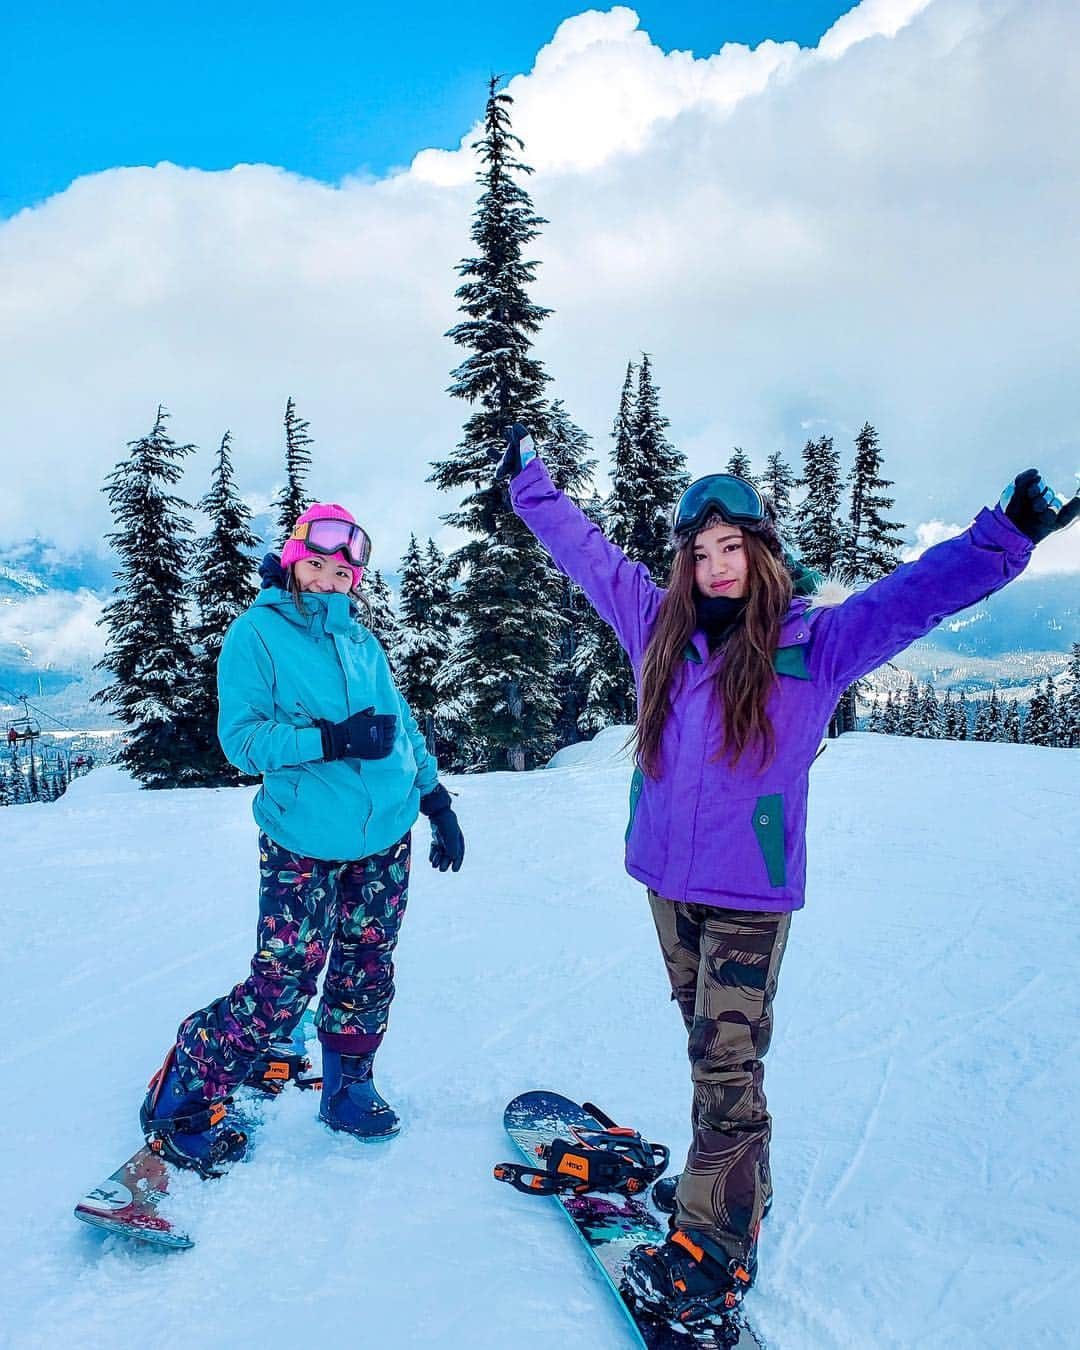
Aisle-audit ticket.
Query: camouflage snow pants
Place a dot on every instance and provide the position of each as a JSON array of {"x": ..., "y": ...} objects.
[
  {"x": 309, "y": 910},
  {"x": 723, "y": 966}
]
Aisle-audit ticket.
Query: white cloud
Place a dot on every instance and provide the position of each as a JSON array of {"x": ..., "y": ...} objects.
[
  {"x": 880, "y": 228},
  {"x": 58, "y": 629},
  {"x": 1056, "y": 555}
]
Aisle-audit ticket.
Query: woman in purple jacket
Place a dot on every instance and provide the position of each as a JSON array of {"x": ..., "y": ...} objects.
[{"x": 736, "y": 679}]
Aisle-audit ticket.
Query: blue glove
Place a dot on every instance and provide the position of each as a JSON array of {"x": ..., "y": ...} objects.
[
  {"x": 519, "y": 451},
  {"x": 1035, "y": 508},
  {"x": 447, "y": 841},
  {"x": 364, "y": 735}
]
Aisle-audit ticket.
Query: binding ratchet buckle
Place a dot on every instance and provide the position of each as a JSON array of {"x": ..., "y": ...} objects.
[{"x": 608, "y": 1158}]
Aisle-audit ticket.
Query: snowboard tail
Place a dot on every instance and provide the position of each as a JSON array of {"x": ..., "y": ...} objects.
[{"x": 134, "y": 1200}]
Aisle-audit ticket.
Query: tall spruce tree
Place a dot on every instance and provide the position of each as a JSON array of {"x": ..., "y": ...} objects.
[
  {"x": 148, "y": 651},
  {"x": 380, "y": 614},
  {"x": 506, "y": 650},
  {"x": 1069, "y": 704},
  {"x": 871, "y": 543},
  {"x": 292, "y": 501},
  {"x": 223, "y": 585},
  {"x": 817, "y": 528},
  {"x": 567, "y": 456},
  {"x": 423, "y": 636},
  {"x": 739, "y": 464},
  {"x": 1011, "y": 727},
  {"x": 778, "y": 483}
]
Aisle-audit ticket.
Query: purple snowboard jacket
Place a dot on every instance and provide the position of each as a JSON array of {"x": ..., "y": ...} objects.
[{"x": 706, "y": 832}]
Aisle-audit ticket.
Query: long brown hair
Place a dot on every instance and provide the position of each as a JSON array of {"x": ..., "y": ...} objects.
[{"x": 746, "y": 675}]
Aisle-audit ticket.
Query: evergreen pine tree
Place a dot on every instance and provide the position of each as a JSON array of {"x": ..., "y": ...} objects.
[
  {"x": 662, "y": 475},
  {"x": 423, "y": 636},
  {"x": 1039, "y": 726},
  {"x": 907, "y": 721},
  {"x": 739, "y": 464},
  {"x": 778, "y": 483},
  {"x": 948, "y": 716},
  {"x": 1011, "y": 729},
  {"x": 876, "y": 714},
  {"x": 223, "y": 584},
  {"x": 148, "y": 651},
  {"x": 817, "y": 529},
  {"x": 379, "y": 614},
  {"x": 890, "y": 717},
  {"x": 33, "y": 782},
  {"x": 963, "y": 717},
  {"x": 566, "y": 452},
  {"x": 506, "y": 651},
  {"x": 871, "y": 543},
  {"x": 601, "y": 663},
  {"x": 292, "y": 501},
  {"x": 1069, "y": 705},
  {"x": 928, "y": 718}
]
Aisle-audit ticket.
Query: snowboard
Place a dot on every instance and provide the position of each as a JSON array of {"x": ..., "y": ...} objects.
[
  {"x": 612, "y": 1225},
  {"x": 134, "y": 1200}
]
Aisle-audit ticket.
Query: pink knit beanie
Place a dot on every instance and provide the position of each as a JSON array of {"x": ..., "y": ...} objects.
[{"x": 295, "y": 549}]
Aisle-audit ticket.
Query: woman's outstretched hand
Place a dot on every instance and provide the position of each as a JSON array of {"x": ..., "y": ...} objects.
[
  {"x": 447, "y": 841},
  {"x": 519, "y": 450},
  {"x": 1035, "y": 508}
]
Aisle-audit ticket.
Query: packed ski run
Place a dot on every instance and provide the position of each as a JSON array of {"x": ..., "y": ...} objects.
[{"x": 922, "y": 1078}]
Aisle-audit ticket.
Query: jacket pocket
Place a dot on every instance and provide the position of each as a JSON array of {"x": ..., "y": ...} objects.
[
  {"x": 768, "y": 823},
  {"x": 636, "y": 784}
]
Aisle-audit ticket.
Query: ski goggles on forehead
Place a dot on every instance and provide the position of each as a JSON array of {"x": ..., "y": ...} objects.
[
  {"x": 736, "y": 500},
  {"x": 335, "y": 536}
]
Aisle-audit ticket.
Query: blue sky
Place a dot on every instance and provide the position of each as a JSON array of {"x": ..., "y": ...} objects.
[{"x": 323, "y": 89}]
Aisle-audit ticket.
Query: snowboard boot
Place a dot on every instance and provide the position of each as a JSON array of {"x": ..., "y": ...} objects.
[
  {"x": 688, "y": 1280},
  {"x": 663, "y": 1195},
  {"x": 183, "y": 1128},
  {"x": 350, "y": 1100}
]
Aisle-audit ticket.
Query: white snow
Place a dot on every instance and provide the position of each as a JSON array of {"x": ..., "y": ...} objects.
[{"x": 923, "y": 1076}]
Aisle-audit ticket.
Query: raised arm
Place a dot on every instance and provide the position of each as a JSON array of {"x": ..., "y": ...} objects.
[
  {"x": 249, "y": 735},
  {"x": 879, "y": 622},
  {"x": 622, "y": 593}
]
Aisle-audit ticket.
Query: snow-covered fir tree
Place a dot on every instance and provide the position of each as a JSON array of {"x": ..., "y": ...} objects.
[
  {"x": 223, "y": 585},
  {"x": 424, "y": 634},
  {"x": 739, "y": 464},
  {"x": 566, "y": 452},
  {"x": 778, "y": 483},
  {"x": 928, "y": 722},
  {"x": 988, "y": 719},
  {"x": 1012, "y": 728},
  {"x": 907, "y": 713},
  {"x": 963, "y": 718},
  {"x": 871, "y": 543},
  {"x": 292, "y": 501},
  {"x": 890, "y": 716},
  {"x": 148, "y": 651},
  {"x": 1069, "y": 703},
  {"x": 506, "y": 650},
  {"x": 1040, "y": 727},
  {"x": 818, "y": 531},
  {"x": 379, "y": 614}
]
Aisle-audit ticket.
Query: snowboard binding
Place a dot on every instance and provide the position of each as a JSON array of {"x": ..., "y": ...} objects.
[
  {"x": 610, "y": 1158},
  {"x": 271, "y": 1072}
]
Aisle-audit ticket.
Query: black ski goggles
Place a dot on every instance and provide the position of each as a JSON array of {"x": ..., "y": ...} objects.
[
  {"x": 328, "y": 537},
  {"x": 736, "y": 500}
]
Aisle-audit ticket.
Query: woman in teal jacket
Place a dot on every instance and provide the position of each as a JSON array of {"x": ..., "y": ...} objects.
[{"x": 308, "y": 702}]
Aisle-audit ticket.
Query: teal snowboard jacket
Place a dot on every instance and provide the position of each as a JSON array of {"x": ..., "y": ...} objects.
[{"x": 279, "y": 671}]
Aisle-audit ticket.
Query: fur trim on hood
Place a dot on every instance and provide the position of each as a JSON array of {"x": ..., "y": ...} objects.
[{"x": 830, "y": 593}]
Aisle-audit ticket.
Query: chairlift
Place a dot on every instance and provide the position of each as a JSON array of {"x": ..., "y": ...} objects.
[{"x": 24, "y": 728}]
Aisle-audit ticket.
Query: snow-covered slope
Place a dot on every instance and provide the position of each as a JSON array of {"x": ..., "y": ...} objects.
[{"x": 923, "y": 1076}]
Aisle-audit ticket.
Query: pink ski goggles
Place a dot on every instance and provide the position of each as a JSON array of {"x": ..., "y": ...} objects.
[{"x": 328, "y": 537}]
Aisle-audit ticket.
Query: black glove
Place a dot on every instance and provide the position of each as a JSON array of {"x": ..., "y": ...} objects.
[
  {"x": 447, "y": 841},
  {"x": 364, "y": 735},
  {"x": 519, "y": 450},
  {"x": 272, "y": 572},
  {"x": 1035, "y": 508}
]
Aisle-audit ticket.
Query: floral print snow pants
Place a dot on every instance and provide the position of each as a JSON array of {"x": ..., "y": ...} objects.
[
  {"x": 723, "y": 965},
  {"x": 308, "y": 910}
]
